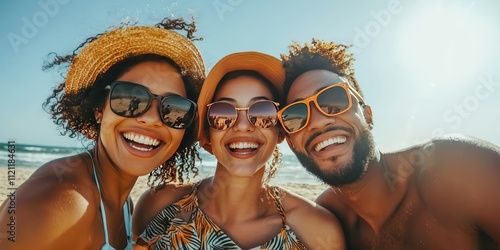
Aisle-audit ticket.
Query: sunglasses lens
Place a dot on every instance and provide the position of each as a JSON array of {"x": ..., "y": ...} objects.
[
  {"x": 333, "y": 101},
  {"x": 262, "y": 114},
  {"x": 294, "y": 117},
  {"x": 221, "y": 115},
  {"x": 132, "y": 100},
  {"x": 129, "y": 99},
  {"x": 177, "y": 112}
]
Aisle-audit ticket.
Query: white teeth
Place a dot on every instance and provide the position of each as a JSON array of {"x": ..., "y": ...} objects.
[
  {"x": 141, "y": 149},
  {"x": 331, "y": 141},
  {"x": 242, "y": 145},
  {"x": 142, "y": 139}
]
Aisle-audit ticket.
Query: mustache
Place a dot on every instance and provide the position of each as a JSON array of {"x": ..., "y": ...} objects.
[{"x": 334, "y": 128}]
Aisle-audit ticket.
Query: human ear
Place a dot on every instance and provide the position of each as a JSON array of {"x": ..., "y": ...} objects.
[
  {"x": 290, "y": 143},
  {"x": 98, "y": 115},
  {"x": 206, "y": 142},
  {"x": 281, "y": 136},
  {"x": 367, "y": 113}
]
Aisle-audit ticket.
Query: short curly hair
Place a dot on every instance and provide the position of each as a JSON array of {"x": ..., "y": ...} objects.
[
  {"x": 318, "y": 55},
  {"x": 74, "y": 112}
]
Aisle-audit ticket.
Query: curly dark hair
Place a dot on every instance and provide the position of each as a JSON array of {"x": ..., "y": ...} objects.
[
  {"x": 74, "y": 112},
  {"x": 318, "y": 55}
]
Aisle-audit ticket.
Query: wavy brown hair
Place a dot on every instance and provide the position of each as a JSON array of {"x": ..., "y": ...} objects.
[
  {"x": 73, "y": 113},
  {"x": 318, "y": 55}
]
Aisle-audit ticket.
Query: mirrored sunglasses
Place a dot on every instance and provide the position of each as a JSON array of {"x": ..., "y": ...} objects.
[
  {"x": 223, "y": 115},
  {"x": 128, "y": 99}
]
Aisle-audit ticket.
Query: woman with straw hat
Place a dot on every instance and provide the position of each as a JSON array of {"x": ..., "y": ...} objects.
[
  {"x": 237, "y": 208},
  {"x": 82, "y": 201}
]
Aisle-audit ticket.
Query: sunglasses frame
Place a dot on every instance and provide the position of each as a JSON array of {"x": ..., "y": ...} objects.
[
  {"x": 314, "y": 98},
  {"x": 276, "y": 106},
  {"x": 152, "y": 96}
]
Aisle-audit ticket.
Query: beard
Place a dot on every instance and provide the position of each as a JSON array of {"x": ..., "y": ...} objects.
[{"x": 363, "y": 151}]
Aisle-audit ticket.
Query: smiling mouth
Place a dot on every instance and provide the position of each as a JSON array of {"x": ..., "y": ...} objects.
[
  {"x": 141, "y": 142},
  {"x": 243, "y": 147},
  {"x": 331, "y": 141}
]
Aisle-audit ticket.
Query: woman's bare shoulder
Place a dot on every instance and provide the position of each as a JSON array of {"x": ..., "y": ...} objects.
[
  {"x": 51, "y": 203},
  {"x": 315, "y": 226}
]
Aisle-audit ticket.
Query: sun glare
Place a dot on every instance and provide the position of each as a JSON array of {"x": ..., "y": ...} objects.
[{"x": 444, "y": 44}]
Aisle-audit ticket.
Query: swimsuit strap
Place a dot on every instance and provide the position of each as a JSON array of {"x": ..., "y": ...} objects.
[
  {"x": 103, "y": 211},
  {"x": 191, "y": 198},
  {"x": 128, "y": 219},
  {"x": 277, "y": 195}
]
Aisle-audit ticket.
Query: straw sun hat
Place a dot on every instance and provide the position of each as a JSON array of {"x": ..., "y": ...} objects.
[
  {"x": 268, "y": 66},
  {"x": 114, "y": 46}
]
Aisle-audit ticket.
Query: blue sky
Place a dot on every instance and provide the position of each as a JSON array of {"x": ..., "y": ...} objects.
[{"x": 426, "y": 67}]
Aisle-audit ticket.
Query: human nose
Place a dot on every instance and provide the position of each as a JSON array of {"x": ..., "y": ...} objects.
[
  {"x": 242, "y": 123},
  {"x": 317, "y": 120},
  {"x": 151, "y": 116}
]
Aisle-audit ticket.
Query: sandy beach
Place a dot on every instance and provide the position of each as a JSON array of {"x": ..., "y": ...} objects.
[{"x": 307, "y": 190}]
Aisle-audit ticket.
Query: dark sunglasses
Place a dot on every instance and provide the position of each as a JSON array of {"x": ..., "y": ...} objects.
[
  {"x": 330, "y": 101},
  {"x": 128, "y": 99},
  {"x": 223, "y": 115}
]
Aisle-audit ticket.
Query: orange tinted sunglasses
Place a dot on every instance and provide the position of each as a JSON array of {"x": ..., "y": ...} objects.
[{"x": 331, "y": 101}]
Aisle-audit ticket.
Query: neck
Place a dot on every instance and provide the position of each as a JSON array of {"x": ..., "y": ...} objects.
[
  {"x": 115, "y": 185},
  {"x": 227, "y": 198},
  {"x": 376, "y": 196}
]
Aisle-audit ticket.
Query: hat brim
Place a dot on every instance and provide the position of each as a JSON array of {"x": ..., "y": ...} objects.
[
  {"x": 268, "y": 66},
  {"x": 114, "y": 46}
]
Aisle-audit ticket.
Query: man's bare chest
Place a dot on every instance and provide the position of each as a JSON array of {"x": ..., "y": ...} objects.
[{"x": 413, "y": 227}]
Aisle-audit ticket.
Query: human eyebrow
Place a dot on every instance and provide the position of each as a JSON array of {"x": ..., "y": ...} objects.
[
  {"x": 228, "y": 99},
  {"x": 303, "y": 98},
  {"x": 259, "y": 98}
]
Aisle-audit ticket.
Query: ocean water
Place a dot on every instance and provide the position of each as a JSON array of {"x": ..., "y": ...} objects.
[{"x": 34, "y": 156}]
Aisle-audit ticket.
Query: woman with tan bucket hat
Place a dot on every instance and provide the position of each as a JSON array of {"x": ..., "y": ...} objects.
[
  {"x": 82, "y": 201},
  {"x": 237, "y": 208}
]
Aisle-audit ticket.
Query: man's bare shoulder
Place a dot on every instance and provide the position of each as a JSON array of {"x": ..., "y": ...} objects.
[
  {"x": 333, "y": 202},
  {"x": 459, "y": 172},
  {"x": 458, "y": 156},
  {"x": 455, "y": 144}
]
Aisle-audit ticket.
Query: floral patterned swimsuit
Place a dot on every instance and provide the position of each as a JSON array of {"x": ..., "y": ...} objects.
[{"x": 166, "y": 231}]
